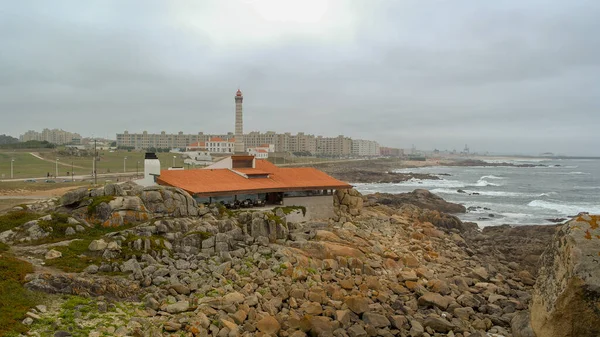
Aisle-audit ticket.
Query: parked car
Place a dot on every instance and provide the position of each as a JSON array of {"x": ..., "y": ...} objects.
[
  {"x": 50, "y": 181},
  {"x": 30, "y": 181}
]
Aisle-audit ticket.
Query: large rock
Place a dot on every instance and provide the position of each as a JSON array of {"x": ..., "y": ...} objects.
[
  {"x": 566, "y": 295},
  {"x": 268, "y": 325},
  {"x": 347, "y": 202},
  {"x": 74, "y": 196},
  {"x": 420, "y": 198},
  {"x": 169, "y": 201}
]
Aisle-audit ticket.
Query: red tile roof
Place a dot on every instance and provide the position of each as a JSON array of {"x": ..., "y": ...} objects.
[
  {"x": 197, "y": 144},
  {"x": 209, "y": 182}
]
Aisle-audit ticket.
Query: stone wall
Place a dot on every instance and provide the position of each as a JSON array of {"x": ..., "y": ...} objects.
[{"x": 317, "y": 207}]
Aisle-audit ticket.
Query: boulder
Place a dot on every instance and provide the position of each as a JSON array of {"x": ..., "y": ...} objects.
[
  {"x": 268, "y": 325},
  {"x": 52, "y": 254},
  {"x": 178, "y": 307},
  {"x": 438, "y": 324},
  {"x": 566, "y": 295},
  {"x": 358, "y": 304},
  {"x": 434, "y": 300},
  {"x": 375, "y": 320},
  {"x": 74, "y": 196},
  {"x": 97, "y": 245}
]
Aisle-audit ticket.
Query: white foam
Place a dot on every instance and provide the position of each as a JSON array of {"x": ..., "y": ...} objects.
[
  {"x": 433, "y": 183},
  {"x": 547, "y": 194},
  {"x": 483, "y": 182},
  {"x": 577, "y": 173},
  {"x": 566, "y": 209},
  {"x": 488, "y": 193},
  {"x": 491, "y": 177},
  {"x": 587, "y": 187}
]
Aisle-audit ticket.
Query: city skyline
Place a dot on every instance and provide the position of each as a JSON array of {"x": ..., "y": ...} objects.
[{"x": 507, "y": 77}]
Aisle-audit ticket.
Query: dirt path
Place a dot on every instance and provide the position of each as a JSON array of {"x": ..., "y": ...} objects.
[{"x": 37, "y": 155}]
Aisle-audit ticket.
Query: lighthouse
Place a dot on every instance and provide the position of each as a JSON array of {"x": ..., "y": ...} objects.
[{"x": 239, "y": 147}]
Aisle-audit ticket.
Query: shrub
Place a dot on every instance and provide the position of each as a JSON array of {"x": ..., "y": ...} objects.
[{"x": 13, "y": 219}]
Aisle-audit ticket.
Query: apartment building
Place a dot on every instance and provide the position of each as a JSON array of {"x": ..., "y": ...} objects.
[
  {"x": 334, "y": 146},
  {"x": 391, "y": 152},
  {"x": 365, "y": 148},
  {"x": 55, "y": 136},
  {"x": 164, "y": 140},
  {"x": 339, "y": 146}
]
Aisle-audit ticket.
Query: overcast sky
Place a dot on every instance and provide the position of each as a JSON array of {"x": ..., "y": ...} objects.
[{"x": 508, "y": 76}]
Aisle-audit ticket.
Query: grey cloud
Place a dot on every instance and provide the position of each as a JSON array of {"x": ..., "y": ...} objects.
[{"x": 506, "y": 76}]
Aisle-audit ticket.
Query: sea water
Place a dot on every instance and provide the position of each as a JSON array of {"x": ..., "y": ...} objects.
[{"x": 511, "y": 195}]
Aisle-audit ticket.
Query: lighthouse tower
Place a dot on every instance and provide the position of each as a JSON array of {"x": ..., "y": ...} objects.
[{"x": 239, "y": 124}]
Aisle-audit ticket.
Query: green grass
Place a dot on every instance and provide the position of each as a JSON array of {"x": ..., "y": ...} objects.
[
  {"x": 14, "y": 299},
  {"x": 75, "y": 256},
  {"x": 4, "y": 247},
  {"x": 27, "y": 166},
  {"x": 57, "y": 226},
  {"x": 13, "y": 219}
]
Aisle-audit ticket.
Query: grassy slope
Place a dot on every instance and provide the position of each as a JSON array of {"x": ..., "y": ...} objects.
[
  {"x": 28, "y": 166},
  {"x": 15, "y": 300}
]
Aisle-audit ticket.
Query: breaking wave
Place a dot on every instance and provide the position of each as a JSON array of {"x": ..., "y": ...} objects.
[
  {"x": 482, "y": 182},
  {"x": 433, "y": 183},
  {"x": 488, "y": 193},
  {"x": 491, "y": 177},
  {"x": 565, "y": 209}
]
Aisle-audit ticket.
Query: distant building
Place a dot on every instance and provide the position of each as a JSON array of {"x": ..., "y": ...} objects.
[
  {"x": 391, "y": 152},
  {"x": 197, "y": 146},
  {"x": 219, "y": 145},
  {"x": 339, "y": 146},
  {"x": 55, "y": 136},
  {"x": 258, "y": 153},
  {"x": 163, "y": 140},
  {"x": 365, "y": 148}
]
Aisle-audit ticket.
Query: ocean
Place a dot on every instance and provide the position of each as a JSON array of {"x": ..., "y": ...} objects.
[{"x": 511, "y": 195}]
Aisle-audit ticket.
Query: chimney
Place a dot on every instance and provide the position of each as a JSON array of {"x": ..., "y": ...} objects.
[{"x": 151, "y": 167}]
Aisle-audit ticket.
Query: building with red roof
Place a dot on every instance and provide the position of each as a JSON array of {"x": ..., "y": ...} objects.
[{"x": 241, "y": 178}]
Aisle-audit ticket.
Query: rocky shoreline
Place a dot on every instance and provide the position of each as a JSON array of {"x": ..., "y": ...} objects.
[
  {"x": 370, "y": 171},
  {"x": 386, "y": 265}
]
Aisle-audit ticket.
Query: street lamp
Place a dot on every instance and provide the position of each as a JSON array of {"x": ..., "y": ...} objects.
[
  {"x": 124, "y": 165},
  {"x": 72, "y": 173},
  {"x": 56, "y": 175},
  {"x": 11, "y": 167},
  {"x": 174, "y": 160}
]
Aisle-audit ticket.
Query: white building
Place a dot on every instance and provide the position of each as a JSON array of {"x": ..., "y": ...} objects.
[
  {"x": 219, "y": 145},
  {"x": 258, "y": 153},
  {"x": 365, "y": 148}
]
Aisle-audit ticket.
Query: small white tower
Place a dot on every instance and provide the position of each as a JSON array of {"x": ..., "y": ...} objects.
[{"x": 239, "y": 124}]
